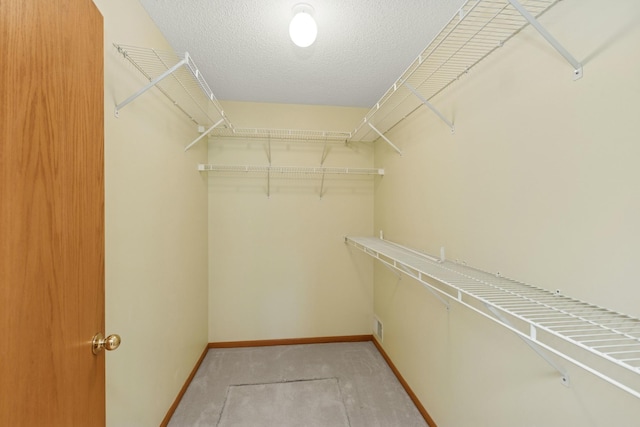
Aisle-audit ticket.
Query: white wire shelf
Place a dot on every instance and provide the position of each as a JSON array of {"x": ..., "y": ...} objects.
[
  {"x": 283, "y": 134},
  {"x": 474, "y": 32},
  {"x": 179, "y": 79},
  {"x": 290, "y": 170},
  {"x": 571, "y": 329},
  {"x": 286, "y": 172}
]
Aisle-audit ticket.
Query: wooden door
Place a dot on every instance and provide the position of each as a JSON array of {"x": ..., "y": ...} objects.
[{"x": 51, "y": 213}]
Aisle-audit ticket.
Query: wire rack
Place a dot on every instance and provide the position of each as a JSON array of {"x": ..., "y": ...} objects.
[
  {"x": 475, "y": 31},
  {"x": 301, "y": 173},
  {"x": 183, "y": 85},
  {"x": 292, "y": 170},
  {"x": 569, "y": 328},
  {"x": 285, "y": 134},
  {"x": 180, "y": 80}
]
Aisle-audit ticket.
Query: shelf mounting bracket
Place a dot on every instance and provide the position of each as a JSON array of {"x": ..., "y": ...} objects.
[
  {"x": 564, "y": 376},
  {"x": 269, "y": 149},
  {"x": 431, "y": 107},
  {"x": 325, "y": 153},
  {"x": 151, "y": 84},
  {"x": 322, "y": 185},
  {"x": 385, "y": 138},
  {"x": 269, "y": 183},
  {"x": 577, "y": 66},
  {"x": 205, "y": 133}
]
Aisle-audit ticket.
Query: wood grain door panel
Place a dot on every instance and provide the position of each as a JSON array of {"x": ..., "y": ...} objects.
[{"x": 52, "y": 213}]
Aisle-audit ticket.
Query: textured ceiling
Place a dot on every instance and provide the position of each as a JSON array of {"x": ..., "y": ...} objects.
[{"x": 243, "y": 48}]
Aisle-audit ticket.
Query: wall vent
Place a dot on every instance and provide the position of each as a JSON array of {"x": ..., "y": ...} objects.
[{"x": 377, "y": 328}]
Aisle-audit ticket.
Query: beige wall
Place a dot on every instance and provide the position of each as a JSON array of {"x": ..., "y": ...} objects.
[
  {"x": 539, "y": 182},
  {"x": 156, "y": 234},
  {"x": 278, "y": 265}
]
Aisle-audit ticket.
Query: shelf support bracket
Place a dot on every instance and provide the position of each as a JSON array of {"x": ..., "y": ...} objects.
[
  {"x": 431, "y": 107},
  {"x": 385, "y": 138},
  {"x": 420, "y": 279},
  {"x": 577, "y": 66},
  {"x": 269, "y": 149},
  {"x": 269, "y": 182},
  {"x": 325, "y": 153},
  {"x": 399, "y": 268},
  {"x": 151, "y": 84},
  {"x": 205, "y": 133},
  {"x": 564, "y": 375}
]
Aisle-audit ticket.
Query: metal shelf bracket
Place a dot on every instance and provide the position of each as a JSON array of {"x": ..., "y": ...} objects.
[
  {"x": 399, "y": 267},
  {"x": 269, "y": 183},
  {"x": 564, "y": 376},
  {"x": 577, "y": 66},
  {"x": 325, "y": 153},
  {"x": 205, "y": 133},
  {"x": 385, "y": 138},
  {"x": 151, "y": 84},
  {"x": 322, "y": 185},
  {"x": 431, "y": 107}
]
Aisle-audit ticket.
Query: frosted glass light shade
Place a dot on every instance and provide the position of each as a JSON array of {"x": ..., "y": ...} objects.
[{"x": 303, "y": 29}]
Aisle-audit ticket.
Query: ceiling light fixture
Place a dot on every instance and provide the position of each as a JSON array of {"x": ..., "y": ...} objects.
[{"x": 303, "y": 29}]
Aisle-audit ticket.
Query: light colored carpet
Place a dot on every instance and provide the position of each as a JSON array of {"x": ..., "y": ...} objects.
[
  {"x": 312, "y": 403},
  {"x": 240, "y": 387}
]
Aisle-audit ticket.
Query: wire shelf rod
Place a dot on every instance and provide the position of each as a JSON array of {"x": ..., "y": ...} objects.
[
  {"x": 590, "y": 326},
  {"x": 516, "y": 294},
  {"x": 564, "y": 313},
  {"x": 605, "y": 317},
  {"x": 607, "y": 340},
  {"x": 630, "y": 322},
  {"x": 588, "y": 329},
  {"x": 633, "y": 359},
  {"x": 576, "y": 335},
  {"x": 635, "y": 351},
  {"x": 631, "y": 344},
  {"x": 542, "y": 309},
  {"x": 574, "y": 323},
  {"x": 551, "y": 318},
  {"x": 517, "y": 298}
]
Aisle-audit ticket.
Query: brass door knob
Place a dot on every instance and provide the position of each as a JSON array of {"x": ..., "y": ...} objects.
[{"x": 109, "y": 343}]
